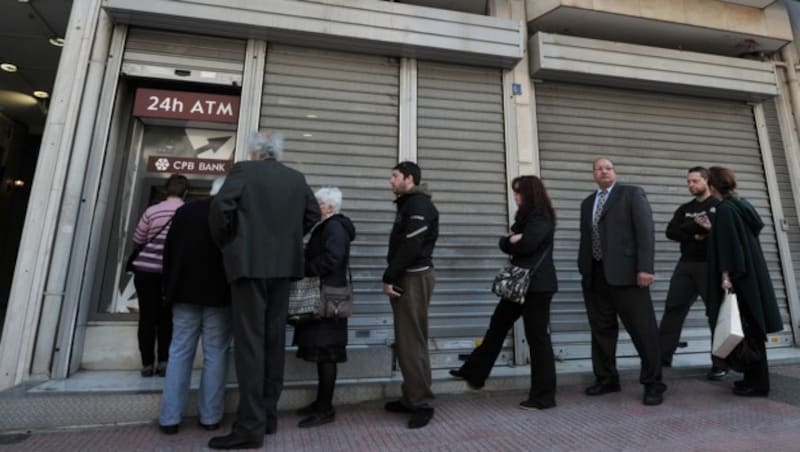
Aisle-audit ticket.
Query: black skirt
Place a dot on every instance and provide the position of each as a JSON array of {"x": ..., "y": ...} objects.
[{"x": 322, "y": 340}]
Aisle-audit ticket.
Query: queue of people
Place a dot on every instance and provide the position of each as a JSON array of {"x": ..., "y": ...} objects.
[{"x": 225, "y": 265}]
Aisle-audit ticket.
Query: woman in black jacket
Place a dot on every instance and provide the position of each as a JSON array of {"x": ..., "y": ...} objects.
[
  {"x": 324, "y": 340},
  {"x": 530, "y": 241}
]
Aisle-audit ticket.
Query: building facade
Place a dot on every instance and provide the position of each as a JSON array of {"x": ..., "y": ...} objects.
[{"x": 153, "y": 87}]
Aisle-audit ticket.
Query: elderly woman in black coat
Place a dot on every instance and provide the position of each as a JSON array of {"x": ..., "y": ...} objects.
[
  {"x": 324, "y": 340},
  {"x": 736, "y": 263}
]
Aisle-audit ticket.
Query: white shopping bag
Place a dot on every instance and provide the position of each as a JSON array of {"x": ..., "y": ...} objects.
[{"x": 728, "y": 332}]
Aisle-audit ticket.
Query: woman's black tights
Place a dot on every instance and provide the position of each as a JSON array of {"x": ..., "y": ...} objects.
[{"x": 326, "y": 373}]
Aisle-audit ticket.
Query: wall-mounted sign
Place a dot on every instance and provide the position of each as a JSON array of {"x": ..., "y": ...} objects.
[
  {"x": 159, "y": 103},
  {"x": 170, "y": 164}
]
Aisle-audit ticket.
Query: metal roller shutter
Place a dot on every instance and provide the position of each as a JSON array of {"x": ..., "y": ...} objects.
[
  {"x": 461, "y": 150},
  {"x": 177, "y": 56},
  {"x": 790, "y": 221},
  {"x": 339, "y": 114},
  {"x": 653, "y": 139}
]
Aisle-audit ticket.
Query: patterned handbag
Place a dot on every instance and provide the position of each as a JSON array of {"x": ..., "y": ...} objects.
[
  {"x": 512, "y": 282},
  {"x": 304, "y": 299}
]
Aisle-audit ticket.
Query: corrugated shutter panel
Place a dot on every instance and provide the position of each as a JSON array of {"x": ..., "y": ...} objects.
[
  {"x": 186, "y": 57},
  {"x": 339, "y": 114},
  {"x": 653, "y": 139},
  {"x": 790, "y": 220},
  {"x": 461, "y": 150}
]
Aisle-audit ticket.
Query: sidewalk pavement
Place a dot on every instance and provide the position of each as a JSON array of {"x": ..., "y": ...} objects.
[{"x": 696, "y": 415}]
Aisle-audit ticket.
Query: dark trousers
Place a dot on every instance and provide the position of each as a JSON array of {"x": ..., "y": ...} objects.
[
  {"x": 155, "y": 318},
  {"x": 259, "y": 334},
  {"x": 634, "y": 307},
  {"x": 535, "y": 314},
  {"x": 411, "y": 337},
  {"x": 756, "y": 373},
  {"x": 688, "y": 281}
]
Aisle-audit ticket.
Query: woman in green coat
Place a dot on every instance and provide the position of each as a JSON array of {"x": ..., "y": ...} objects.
[{"x": 736, "y": 262}]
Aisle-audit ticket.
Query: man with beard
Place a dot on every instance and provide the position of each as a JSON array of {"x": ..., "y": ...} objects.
[{"x": 690, "y": 276}]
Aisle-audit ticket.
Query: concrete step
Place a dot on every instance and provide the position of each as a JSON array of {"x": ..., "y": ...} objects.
[{"x": 95, "y": 398}]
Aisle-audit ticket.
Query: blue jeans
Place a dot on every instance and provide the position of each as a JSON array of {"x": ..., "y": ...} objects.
[{"x": 189, "y": 323}]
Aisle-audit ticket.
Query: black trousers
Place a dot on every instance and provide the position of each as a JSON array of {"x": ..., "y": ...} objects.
[
  {"x": 155, "y": 318},
  {"x": 689, "y": 280},
  {"x": 535, "y": 314},
  {"x": 756, "y": 374},
  {"x": 634, "y": 307},
  {"x": 259, "y": 333}
]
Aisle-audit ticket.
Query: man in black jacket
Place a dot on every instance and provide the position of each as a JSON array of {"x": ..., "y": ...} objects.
[
  {"x": 408, "y": 281},
  {"x": 691, "y": 273},
  {"x": 196, "y": 288}
]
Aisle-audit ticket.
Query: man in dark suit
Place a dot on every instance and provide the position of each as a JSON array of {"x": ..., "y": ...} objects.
[
  {"x": 258, "y": 220},
  {"x": 615, "y": 259}
]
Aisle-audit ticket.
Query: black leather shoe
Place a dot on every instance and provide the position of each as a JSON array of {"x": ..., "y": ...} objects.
[
  {"x": 234, "y": 440},
  {"x": 602, "y": 388},
  {"x": 532, "y": 404},
  {"x": 421, "y": 417},
  {"x": 716, "y": 373},
  {"x": 318, "y": 418},
  {"x": 396, "y": 406},
  {"x": 169, "y": 429},
  {"x": 147, "y": 371},
  {"x": 272, "y": 426},
  {"x": 739, "y": 384},
  {"x": 161, "y": 370},
  {"x": 307, "y": 410},
  {"x": 209, "y": 427},
  {"x": 458, "y": 373},
  {"x": 746, "y": 391},
  {"x": 653, "y": 395}
]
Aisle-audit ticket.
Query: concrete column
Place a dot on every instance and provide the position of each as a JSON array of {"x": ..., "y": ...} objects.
[
  {"x": 36, "y": 246},
  {"x": 408, "y": 111}
]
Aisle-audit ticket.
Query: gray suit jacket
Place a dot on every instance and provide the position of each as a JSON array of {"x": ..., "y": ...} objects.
[
  {"x": 627, "y": 236},
  {"x": 258, "y": 220}
]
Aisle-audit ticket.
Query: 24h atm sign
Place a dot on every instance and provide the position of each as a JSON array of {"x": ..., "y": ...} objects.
[{"x": 185, "y": 105}]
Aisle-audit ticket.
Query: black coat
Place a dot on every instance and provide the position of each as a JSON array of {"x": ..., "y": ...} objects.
[
  {"x": 193, "y": 269},
  {"x": 327, "y": 255},
  {"x": 328, "y": 250},
  {"x": 734, "y": 247},
  {"x": 537, "y": 236},
  {"x": 259, "y": 218}
]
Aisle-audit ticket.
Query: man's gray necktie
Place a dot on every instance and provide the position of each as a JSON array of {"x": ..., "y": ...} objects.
[{"x": 597, "y": 250}]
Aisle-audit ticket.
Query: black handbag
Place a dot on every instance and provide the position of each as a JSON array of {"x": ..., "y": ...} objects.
[
  {"x": 512, "y": 282},
  {"x": 138, "y": 249}
]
